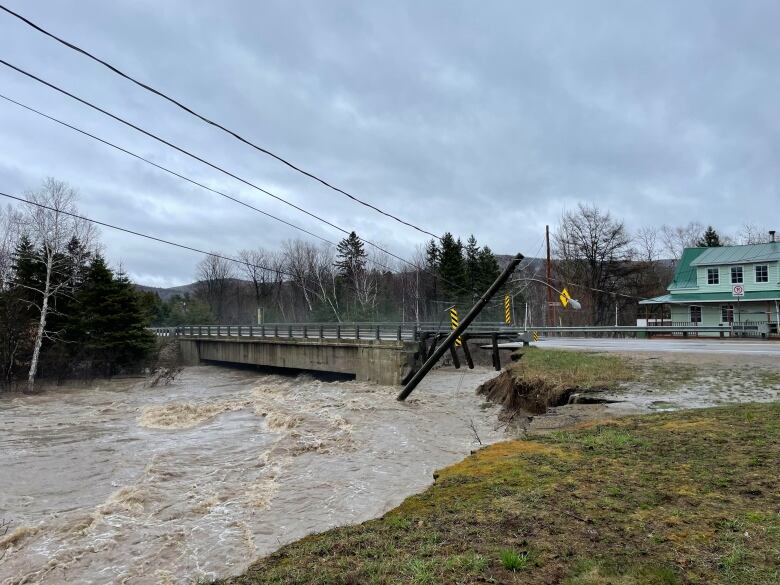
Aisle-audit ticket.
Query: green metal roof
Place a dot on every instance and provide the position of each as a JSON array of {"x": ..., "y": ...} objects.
[
  {"x": 714, "y": 297},
  {"x": 685, "y": 274},
  {"x": 769, "y": 252}
]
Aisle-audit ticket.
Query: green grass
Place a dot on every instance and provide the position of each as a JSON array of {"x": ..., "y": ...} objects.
[
  {"x": 574, "y": 369},
  {"x": 513, "y": 561},
  {"x": 665, "y": 499}
]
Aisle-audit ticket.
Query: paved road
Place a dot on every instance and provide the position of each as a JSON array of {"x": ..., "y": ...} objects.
[{"x": 741, "y": 346}]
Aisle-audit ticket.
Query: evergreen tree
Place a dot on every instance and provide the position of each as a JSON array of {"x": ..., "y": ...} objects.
[
  {"x": 350, "y": 257},
  {"x": 473, "y": 274},
  {"x": 710, "y": 239},
  {"x": 432, "y": 256},
  {"x": 488, "y": 269},
  {"x": 108, "y": 327},
  {"x": 452, "y": 267}
]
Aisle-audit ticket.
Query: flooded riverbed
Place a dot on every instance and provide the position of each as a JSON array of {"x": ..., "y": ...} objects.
[{"x": 118, "y": 483}]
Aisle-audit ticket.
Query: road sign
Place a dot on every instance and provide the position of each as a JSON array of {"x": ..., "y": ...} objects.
[
  {"x": 737, "y": 290},
  {"x": 454, "y": 321},
  {"x": 535, "y": 335},
  {"x": 507, "y": 309},
  {"x": 564, "y": 298}
]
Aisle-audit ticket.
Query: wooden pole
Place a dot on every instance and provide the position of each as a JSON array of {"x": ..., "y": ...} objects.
[
  {"x": 550, "y": 316},
  {"x": 465, "y": 322}
]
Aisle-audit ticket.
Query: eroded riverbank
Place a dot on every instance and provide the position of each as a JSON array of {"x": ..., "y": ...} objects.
[{"x": 118, "y": 483}]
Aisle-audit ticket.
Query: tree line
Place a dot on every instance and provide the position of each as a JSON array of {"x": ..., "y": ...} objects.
[
  {"x": 303, "y": 281},
  {"x": 604, "y": 265},
  {"x": 63, "y": 311}
]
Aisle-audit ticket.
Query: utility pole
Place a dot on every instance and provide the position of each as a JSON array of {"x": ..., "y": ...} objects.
[
  {"x": 550, "y": 315},
  {"x": 458, "y": 331}
]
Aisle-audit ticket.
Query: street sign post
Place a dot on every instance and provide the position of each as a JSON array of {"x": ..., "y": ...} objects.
[{"x": 738, "y": 291}]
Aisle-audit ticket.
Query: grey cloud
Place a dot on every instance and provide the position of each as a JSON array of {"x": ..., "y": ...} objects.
[{"x": 487, "y": 118}]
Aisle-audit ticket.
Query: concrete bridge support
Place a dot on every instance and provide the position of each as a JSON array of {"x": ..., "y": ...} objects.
[{"x": 378, "y": 361}]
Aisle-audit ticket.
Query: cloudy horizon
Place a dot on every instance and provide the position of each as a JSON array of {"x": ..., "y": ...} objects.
[{"x": 485, "y": 119}]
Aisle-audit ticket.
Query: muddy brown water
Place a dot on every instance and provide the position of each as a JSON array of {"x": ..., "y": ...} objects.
[{"x": 118, "y": 483}]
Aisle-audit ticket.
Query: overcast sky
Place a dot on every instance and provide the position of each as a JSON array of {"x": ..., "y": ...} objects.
[{"x": 474, "y": 117}]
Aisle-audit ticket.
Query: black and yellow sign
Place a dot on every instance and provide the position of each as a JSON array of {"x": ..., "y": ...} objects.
[
  {"x": 454, "y": 321},
  {"x": 535, "y": 335},
  {"x": 564, "y": 298},
  {"x": 507, "y": 309}
]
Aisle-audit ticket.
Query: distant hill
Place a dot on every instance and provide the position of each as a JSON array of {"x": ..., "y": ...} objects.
[{"x": 166, "y": 293}]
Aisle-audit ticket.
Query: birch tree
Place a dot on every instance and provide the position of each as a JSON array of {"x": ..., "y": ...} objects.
[{"x": 50, "y": 228}]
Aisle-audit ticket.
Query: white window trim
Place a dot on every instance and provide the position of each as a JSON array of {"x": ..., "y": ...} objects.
[
  {"x": 717, "y": 276},
  {"x": 742, "y": 272},
  {"x": 690, "y": 313},
  {"x": 755, "y": 273}
]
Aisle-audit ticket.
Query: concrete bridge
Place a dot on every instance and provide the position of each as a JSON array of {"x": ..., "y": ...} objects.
[{"x": 383, "y": 353}]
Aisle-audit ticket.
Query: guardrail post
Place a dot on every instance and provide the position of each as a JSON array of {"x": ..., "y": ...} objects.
[
  {"x": 399, "y": 333},
  {"x": 357, "y": 331},
  {"x": 251, "y": 331},
  {"x": 378, "y": 336},
  {"x": 276, "y": 331},
  {"x": 289, "y": 331},
  {"x": 338, "y": 331},
  {"x": 415, "y": 333}
]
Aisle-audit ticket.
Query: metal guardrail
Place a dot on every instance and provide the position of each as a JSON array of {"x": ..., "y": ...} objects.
[{"x": 415, "y": 331}]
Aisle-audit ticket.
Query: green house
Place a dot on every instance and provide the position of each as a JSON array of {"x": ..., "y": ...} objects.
[{"x": 728, "y": 285}]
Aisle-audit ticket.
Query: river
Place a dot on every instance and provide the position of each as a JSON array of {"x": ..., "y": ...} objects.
[{"x": 116, "y": 482}]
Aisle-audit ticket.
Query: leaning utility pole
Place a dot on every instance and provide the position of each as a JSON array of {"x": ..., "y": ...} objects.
[
  {"x": 455, "y": 333},
  {"x": 550, "y": 315}
]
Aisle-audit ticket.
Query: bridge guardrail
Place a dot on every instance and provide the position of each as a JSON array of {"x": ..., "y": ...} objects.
[{"x": 414, "y": 331}]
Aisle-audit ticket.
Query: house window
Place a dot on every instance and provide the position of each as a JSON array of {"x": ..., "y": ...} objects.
[
  {"x": 762, "y": 273},
  {"x": 695, "y": 314},
  {"x": 736, "y": 275},
  {"x": 713, "y": 276},
  {"x": 727, "y": 313}
]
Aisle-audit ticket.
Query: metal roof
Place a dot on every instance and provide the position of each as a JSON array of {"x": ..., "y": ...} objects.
[
  {"x": 712, "y": 297},
  {"x": 685, "y": 274},
  {"x": 769, "y": 252}
]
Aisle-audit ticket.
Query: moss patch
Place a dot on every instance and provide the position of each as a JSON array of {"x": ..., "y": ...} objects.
[{"x": 687, "y": 497}]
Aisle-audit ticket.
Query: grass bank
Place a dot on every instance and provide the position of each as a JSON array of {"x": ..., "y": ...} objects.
[{"x": 687, "y": 497}]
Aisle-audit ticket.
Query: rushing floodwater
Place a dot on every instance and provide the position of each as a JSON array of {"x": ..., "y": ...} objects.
[{"x": 118, "y": 483}]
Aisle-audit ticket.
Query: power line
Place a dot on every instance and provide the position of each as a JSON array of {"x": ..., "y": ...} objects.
[
  {"x": 214, "y": 166},
  {"x": 212, "y": 122},
  {"x": 179, "y": 175},
  {"x": 162, "y": 168},
  {"x": 195, "y": 157},
  {"x": 147, "y": 236}
]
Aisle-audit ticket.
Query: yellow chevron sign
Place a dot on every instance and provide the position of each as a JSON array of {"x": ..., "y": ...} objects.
[
  {"x": 507, "y": 309},
  {"x": 454, "y": 324},
  {"x": 564, "y": 298},
  {"x": 535, "y": 335}
]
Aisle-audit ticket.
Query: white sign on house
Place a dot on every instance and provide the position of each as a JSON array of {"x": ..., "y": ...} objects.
[{"x": 738, "y": 290}]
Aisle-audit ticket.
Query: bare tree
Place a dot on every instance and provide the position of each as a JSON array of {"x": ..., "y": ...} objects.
[
  {"x": 51, "y": 230},
  {"x": 215, "y": 276},
  {"x": 595, "y": 251},
  {"x": 751, "y": 233},
  {"x": 259, "y": 271},
  {"x": 326, "y": 279},
  {"x": 300, "y": 258},
  {"x": 648, "y": 243},
  {"x": 676, "y": 239}
]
